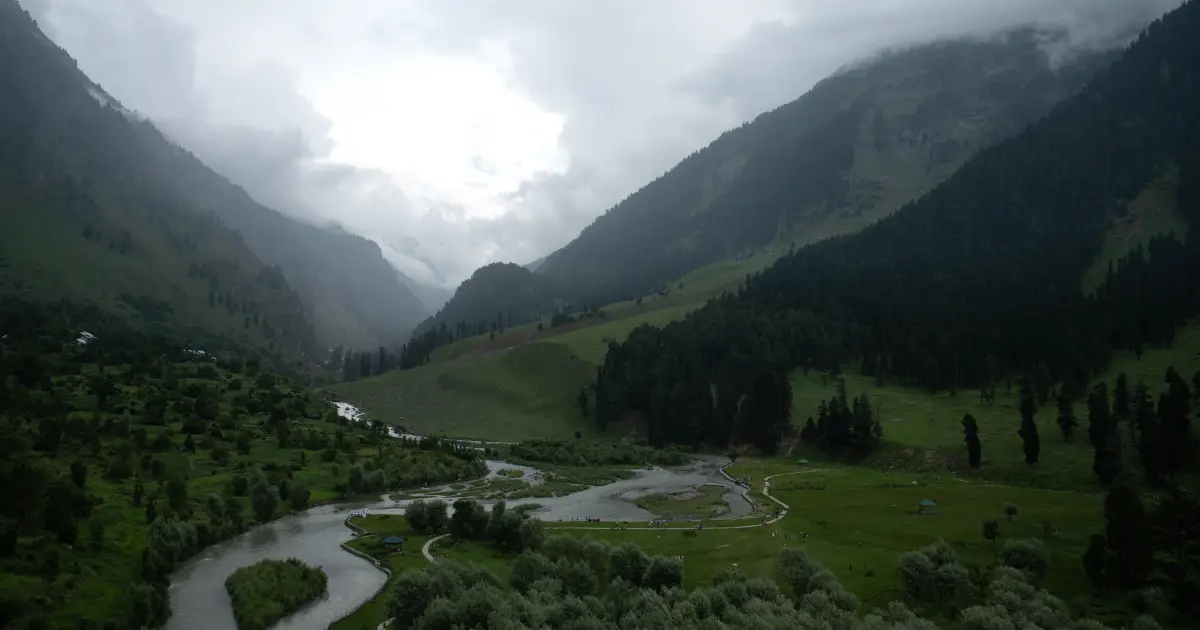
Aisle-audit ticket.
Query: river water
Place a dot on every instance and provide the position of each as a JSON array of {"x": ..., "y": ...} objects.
[{"x": 199, "y": 600}]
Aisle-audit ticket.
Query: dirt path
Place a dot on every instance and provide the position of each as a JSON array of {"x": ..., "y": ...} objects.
[{"x": 429, "y": 545}]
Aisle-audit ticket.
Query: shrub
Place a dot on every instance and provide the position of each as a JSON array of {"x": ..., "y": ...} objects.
[{"x": 1029, "y": 556}]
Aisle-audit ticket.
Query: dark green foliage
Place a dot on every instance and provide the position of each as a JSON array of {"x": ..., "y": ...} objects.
[
  {"x": 1149, "y": 438},
  {"x": 971, "y": 437},
  {"x": 1066, "y": 415},
  {"x": 1129, "y": 558},
  {"x": 267, "y": 591},
  {"x": 1031, "y": 443},
  {"x": 996, "y": 254},
  {"x": 1105, "y": 436},
  {"x": 593, "y": 453}
]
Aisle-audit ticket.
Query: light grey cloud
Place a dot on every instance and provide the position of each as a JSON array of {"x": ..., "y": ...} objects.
[{"x": 459, "y": 132}]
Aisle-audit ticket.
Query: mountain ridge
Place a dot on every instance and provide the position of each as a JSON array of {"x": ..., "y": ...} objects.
[{"x": 852, "y": 149}]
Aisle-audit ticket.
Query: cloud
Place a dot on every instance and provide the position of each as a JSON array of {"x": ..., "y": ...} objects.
[{"x": 459, "y": 132}]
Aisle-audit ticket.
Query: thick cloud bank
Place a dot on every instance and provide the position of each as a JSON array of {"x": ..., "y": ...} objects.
[{"x": 461, "y": 132}]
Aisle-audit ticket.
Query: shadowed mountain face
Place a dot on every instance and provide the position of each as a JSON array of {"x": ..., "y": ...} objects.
[
  {"x": 852, "y": 150},
  {"x": 101, "y": 206},
  {"x": 495, "y": 296}
]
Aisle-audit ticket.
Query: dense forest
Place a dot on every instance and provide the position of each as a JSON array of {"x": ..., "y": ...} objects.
[
  {"x": 853, "y": 149},
  {"x": 977, "y": 281},
  {"x": 124, "y": 451},
  {"x": 100, "y": 205}
]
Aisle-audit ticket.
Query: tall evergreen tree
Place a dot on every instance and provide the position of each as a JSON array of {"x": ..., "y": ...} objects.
[
  {"x": 1174, "y": 416},
  {"x": 1149, "y": 443},
  {"x": 1066, "y": 415},
  {"x": 1102, "y": 428},
  {"x": 971, "y": 437},
  {"x": 1030, "y": 441},
  {"x": 1127, "y": 534}
]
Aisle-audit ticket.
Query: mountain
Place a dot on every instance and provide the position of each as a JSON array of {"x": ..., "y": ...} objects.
[
  {"x": 94, "y": 211},
  {"x": 977, "y": 282},
  {"x": 852, "y": 150},
  {"x": 349, "y": 291},
  {"x": 496, "y": 296}
]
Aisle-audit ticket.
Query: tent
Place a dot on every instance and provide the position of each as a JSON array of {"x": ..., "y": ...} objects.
[
  {"x": 802, "y": 462},
  {"x": 393, "y": 540},
  {"x": 926, "y": 506}
]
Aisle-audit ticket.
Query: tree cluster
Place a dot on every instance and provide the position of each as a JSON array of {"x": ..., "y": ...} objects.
[{"x": 844, "y": 429}]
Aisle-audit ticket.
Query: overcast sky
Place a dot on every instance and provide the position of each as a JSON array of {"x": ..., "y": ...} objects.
[{"x": 460, "y": 132}]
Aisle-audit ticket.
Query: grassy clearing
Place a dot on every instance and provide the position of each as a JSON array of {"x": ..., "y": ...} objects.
[
  {"x": 923, "y": 431},
  {"x": 589, "y": 343},
  {"x": 527, "y": 392},
  {"x": 511, "y": 473},
  {"x": 475, "y": 552},
  {"x": 1152, "y": 213},
  {"x": 859, "y": 521},
  {"x": 699, "y": 502}
]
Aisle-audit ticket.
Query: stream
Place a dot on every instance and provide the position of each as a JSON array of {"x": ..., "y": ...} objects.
[{"x": 199, "y": 600}]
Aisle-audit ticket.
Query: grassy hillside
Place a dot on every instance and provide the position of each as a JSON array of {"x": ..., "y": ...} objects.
[
  {"x": 528, "y": 392},
  {"x": 86, "y": 217},
  {"x": 1154, "y": 212},
  {"x": 83, "y": 174}
]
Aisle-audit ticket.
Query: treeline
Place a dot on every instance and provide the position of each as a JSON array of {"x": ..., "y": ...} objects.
[
  {"x": 593, "y": 453},
  {"x": 977, "y": 280},
  {"x": 573, "y": 583},
  {"x": 844, "y": 429}
]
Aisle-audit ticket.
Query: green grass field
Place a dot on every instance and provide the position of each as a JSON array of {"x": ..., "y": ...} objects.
[
  {"x": 527, "y": 392},
  {"x": 859, "y": 521},
  {"x": 924, "y": 431}
]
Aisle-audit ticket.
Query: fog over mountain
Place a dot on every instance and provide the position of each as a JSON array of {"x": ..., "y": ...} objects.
[{"x": 457, "y": 134}]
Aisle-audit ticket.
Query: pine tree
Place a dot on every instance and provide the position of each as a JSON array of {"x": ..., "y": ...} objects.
[
  {"x": 1066, "y": 415},
  {"x": 1121, "y": 409},
  {"x": 1106, "y": 462},
  {"x": 971, "y": 437},
  {"x": 1127, "y": 534},
  {"x": 1145, "y": 419},
  {"x": 1174, "y": 416},
  {"x": 1030, "y": 441}
]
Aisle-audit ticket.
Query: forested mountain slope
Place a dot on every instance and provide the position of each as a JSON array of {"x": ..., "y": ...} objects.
[
  {"x": 350, "y": 293},
  {"x": 853, "y": 149},
  {"x": 86, "y": 214},
  {"x": 494, "y": 297},
  {"x": 977, "y": 280}
]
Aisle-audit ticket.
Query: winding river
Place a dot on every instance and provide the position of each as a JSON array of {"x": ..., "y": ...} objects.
[{"x": 199, "y": 600}]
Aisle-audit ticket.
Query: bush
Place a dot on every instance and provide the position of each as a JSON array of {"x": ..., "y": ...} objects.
[
  {"x": 935, "y": 575},
  {"x": 1029, "y": 556},
  {"x": 270, "y": 590}
]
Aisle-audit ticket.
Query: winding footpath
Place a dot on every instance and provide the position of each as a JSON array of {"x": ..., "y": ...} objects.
[{"x": 429, "y": 545}]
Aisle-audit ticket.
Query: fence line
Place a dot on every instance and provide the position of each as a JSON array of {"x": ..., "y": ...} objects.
[{"x": 358, "y": 534}]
